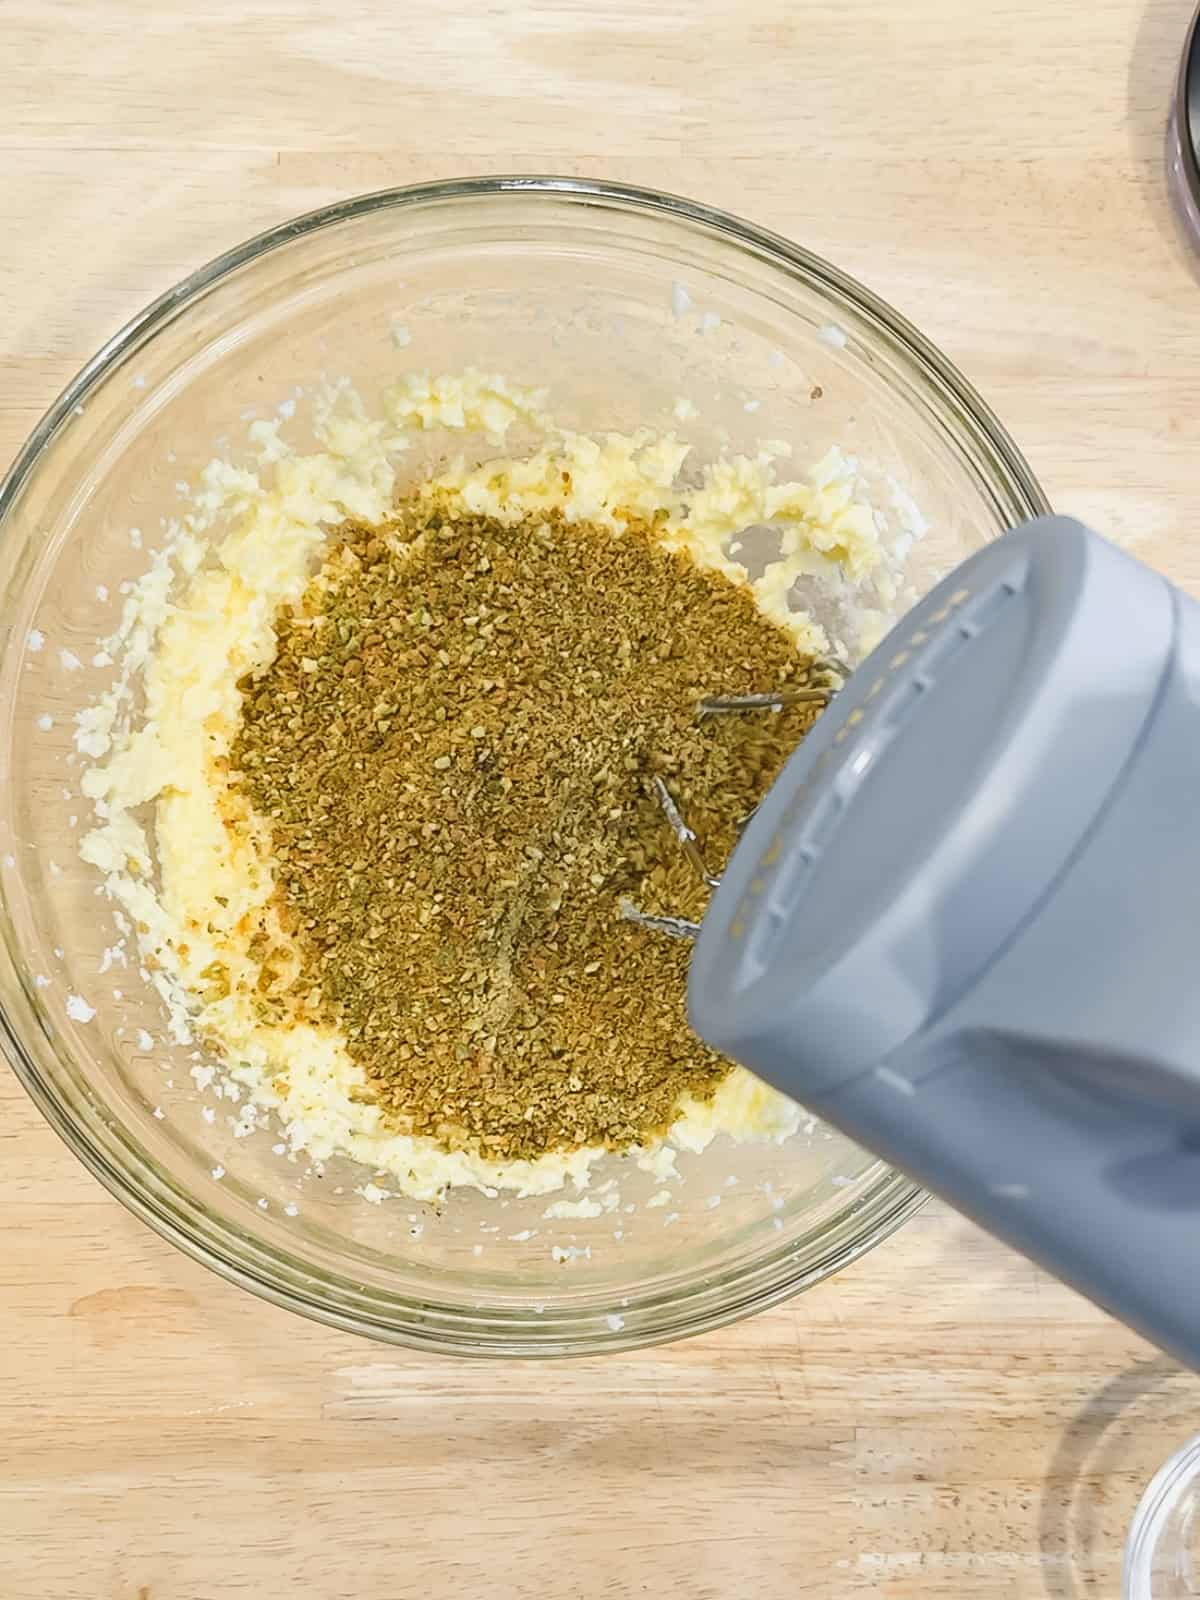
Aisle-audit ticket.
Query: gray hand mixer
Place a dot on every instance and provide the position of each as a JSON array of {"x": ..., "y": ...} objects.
[{"x": 964, "y": 924}]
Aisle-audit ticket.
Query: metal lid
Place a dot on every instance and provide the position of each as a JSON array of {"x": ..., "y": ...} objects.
[{"x": 932, "y": 806}]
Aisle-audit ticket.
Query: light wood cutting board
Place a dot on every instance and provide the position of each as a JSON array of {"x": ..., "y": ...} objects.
[{"x": 942, "y": 1421}]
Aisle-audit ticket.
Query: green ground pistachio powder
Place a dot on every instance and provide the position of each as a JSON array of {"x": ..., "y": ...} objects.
[{"x": 452, "y": 752}]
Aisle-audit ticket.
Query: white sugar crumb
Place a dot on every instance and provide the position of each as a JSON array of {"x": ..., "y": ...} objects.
[
  {"x": 684, "y": 409},
  {"x": 140, "y": 381},
  {"x": 209, "y": 1115},
  {"x": 287, "y": 409},
  {"x": 570, "y": 1252},
  {"x": 840, "y": 1181},
  {"x": 101, "y": 659},
  {"x": 659, "y": 1163},
  {"x": 751, "y": 405},
  {"x": 713, "y": 1201},
  {"x": 662, "y": 1198},
  {"x": 218, "y": 1173},
  {"x": 78, "y": 1009},
  {"x": 615, "y": 1322},
  {"x": 672, "y": 1216},
  {"x": 41, "y": 981},
  {"x": 401, "y": 337},
  {"x": 102, "y": 592},
  {"x": 909, "y": 515},
  {"x": 35, "y": 640},
  {"x": 476, "y": 1249},
  {"x": 775, "y": 359},
  {"x": 111, "y": 956},
  {"x": 159, "y": 1113},
  {"x": 372, "y": 1193},
  {"x": 135, "y": 538},
  {"x": 55, "y": 870},
  {"x": 562, "y": 1210},
  {"x": 291, "y": 1209},
  {"x": 709, "y": 321},
  {"x": 144, "y": 1040},
  {"x": 520, "y": 1238},
  {"x": 45, "y": 722},
  {"x": 69, "y": 661},
  {"x": 681, "y": 300},
  {"x": 836, "y": 338},
  {"x": 261, "y": 1202},
  {"x": 10, "y": 860}
]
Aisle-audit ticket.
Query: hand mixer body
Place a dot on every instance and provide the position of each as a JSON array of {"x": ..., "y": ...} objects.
[{"x": 961, "y": 927}]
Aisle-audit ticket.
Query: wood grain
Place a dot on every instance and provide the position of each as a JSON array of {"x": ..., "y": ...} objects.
[{"x": 940, "y": 1421}]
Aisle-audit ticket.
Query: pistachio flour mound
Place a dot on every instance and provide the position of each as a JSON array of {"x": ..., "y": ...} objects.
[{"x": 451, "y": 753}]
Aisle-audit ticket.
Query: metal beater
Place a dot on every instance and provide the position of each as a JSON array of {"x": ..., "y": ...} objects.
[{"x": 713, "y": 706}]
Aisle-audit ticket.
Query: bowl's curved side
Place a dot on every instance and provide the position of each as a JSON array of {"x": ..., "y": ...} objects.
[
  {"x": 659, "y": 1320},
  {"x": 981, "y": 422},
  {"x": 121, "y": 1156}
]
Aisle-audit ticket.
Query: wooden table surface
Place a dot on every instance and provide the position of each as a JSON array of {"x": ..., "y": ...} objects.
[{"x": 942, "y": 1420}]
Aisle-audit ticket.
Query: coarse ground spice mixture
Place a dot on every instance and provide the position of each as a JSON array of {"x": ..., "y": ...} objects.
[{"x": 452, "y": 752}]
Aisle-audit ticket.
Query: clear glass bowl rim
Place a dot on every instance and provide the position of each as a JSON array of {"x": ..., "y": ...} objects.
[
  {"x": 1154, "y": 1510},
  {"x": 713, "y": 1300}
]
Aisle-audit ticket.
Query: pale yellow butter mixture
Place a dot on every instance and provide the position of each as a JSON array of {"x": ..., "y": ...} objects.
[{"x": 198, "y": 887}]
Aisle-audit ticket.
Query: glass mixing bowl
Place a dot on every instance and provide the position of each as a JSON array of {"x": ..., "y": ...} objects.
[
  {"x": 621, "y": 301},
  {"x": 1162, "y": 1553}
]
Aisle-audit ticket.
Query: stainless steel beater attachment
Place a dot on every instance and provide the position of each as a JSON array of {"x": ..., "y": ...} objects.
[{"x": 713, "y": 706}]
